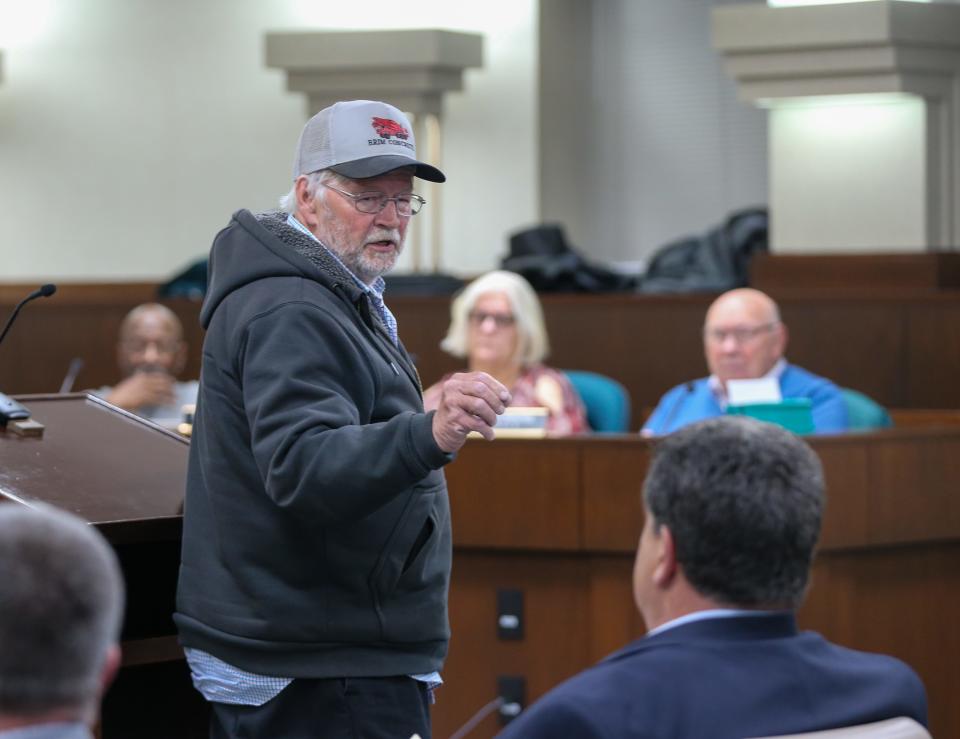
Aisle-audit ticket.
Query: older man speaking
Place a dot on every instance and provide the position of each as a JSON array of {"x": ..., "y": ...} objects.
[
  {"x": 316, "y": 542},
  {"x": 744, "y": 339}
]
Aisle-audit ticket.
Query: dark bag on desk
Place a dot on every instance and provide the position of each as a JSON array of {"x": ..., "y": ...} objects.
[
  {"x": 716, "y": 262},
  {"x": 546, "y": 260}
]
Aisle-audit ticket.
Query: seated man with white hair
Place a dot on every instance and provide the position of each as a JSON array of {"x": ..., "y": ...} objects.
[
  {"x": 61, "y": 608},
  {"x": 744, "y": 339}
]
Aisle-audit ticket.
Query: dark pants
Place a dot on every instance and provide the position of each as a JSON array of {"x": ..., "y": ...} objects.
[{"x": 338, "y": 708}]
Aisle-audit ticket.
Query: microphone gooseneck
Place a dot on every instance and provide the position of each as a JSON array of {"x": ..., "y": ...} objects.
[
  {"x": 45, "y": 291},
  {"x": 10, "y": 409}
]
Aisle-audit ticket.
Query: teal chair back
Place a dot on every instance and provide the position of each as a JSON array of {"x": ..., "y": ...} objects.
[
  {"x": 863, "y": 412},
  {"x": 606, "y": 400}
]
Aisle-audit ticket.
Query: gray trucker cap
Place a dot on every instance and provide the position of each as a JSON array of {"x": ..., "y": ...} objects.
[{"x": 360, "y": 138}]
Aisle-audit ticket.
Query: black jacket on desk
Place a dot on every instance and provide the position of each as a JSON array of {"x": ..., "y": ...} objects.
[{"x": 316, "y": 538}]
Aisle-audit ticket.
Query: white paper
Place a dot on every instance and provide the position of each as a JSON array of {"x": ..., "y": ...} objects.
[{"x": 761, "y": 390}]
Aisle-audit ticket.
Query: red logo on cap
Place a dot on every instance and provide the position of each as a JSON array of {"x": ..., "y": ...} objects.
[{"x": 386, "y": 128}]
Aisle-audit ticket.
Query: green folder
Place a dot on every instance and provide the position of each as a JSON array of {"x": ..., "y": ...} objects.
[{"x": 794, "y": 414}]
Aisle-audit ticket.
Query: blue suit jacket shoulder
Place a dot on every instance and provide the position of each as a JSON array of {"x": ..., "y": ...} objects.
[{"x": 728, "y": 677}]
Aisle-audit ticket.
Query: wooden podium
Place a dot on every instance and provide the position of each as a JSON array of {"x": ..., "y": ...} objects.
[{"x": 126, "y": 476}]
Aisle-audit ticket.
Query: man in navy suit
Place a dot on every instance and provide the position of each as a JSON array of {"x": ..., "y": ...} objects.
[{"x": 733, "y": 509}]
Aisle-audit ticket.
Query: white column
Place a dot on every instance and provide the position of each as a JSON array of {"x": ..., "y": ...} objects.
[{"x": 864, "y": 121}]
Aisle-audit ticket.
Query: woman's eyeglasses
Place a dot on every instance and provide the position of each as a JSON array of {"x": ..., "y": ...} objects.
[{"x": 500, "y": 320}]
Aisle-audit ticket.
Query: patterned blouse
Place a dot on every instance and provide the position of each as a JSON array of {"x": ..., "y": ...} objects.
[{"x": 542, "y": 386}]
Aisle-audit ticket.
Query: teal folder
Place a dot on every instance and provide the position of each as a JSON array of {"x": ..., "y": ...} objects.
[{"x": 794, "y": 414}]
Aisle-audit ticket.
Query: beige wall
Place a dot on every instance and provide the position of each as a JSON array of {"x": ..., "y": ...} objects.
[
  {"x": 643, "y": 139},
  {"x": 130, "y": 130},
  {"x": 861, "y": 168}
]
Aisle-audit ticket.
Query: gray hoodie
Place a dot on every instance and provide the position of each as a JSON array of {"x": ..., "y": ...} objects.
[{"x": 316, "y": 538}]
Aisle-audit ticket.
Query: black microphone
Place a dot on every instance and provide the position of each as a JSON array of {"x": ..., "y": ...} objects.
[
  {"x": 10, "y": 409},
  {"x": 687, "y": 389},
  {"x": 44, "y": 291}
]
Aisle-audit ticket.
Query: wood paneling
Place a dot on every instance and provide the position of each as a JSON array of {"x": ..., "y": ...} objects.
[
  {"x": 855, "y": 343},
  {"x": 902, "y": 349},
  {"x": 929, "y": 466},
  {"x": 489, "y": 512},
  {"x": 614, "y": 619},
  {"x": 931, "y": 355},
  {"x": 924, "y": 417},
  {"x": 902, "y": 601},
  {"x": 101, "y": 463},
  {"x": 874, "y": 272},
  {"x": 80, "y": 321},
  {"x": 612, "y": 474},
  {"x": 126, "y": 476},
  {"x": 886, "y": 578},
  {"x": 846, "y": 467},
  {"x": 558, "y": 520},
  {"x": 556, "y": 619}
]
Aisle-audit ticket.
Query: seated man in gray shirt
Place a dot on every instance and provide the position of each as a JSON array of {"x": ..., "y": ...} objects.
[{"x": 151, "y": 353}]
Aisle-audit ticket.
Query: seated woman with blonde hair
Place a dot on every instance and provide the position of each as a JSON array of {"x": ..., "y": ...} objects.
[{"x": 497, "y": 325}]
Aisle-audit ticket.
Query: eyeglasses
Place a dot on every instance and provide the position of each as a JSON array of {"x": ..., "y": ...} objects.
[
  {"x": 374, "y": 202},
  {"x": 740, "y": 334},
  {"x": 500, "y": 320}
]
